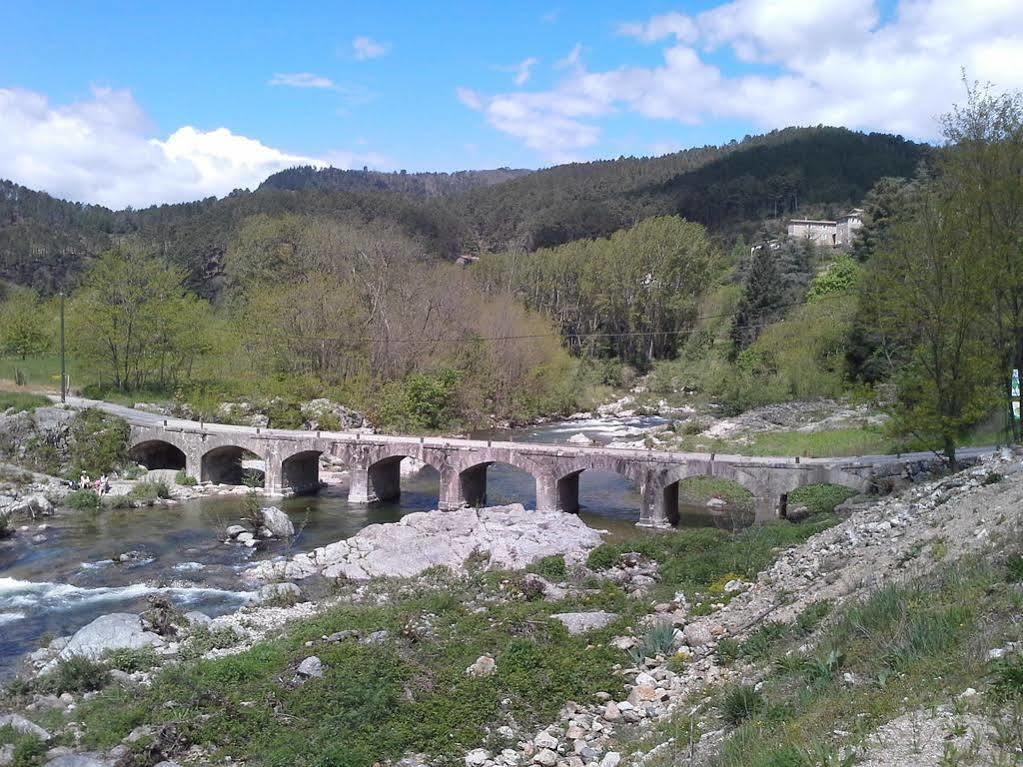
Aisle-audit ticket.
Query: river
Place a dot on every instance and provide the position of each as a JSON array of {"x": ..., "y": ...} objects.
[{"x": 58, "y": 585}]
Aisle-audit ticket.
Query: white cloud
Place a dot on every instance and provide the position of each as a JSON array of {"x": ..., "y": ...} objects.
[
  {"x": 302, "y": 80},
  {"x": 102, "y": 150},
  {"x": 365, "y": 48},
  {"x": 523, "y": 70},
  {"x": 827, "y": 61},
  {"x": 673, "y": 24},
  {"x": 571, "y": 61},
  {"x": 469, "y": 98}
]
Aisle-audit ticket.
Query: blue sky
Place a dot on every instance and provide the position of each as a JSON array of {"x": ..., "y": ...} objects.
[{"x": 132, "y": 103}]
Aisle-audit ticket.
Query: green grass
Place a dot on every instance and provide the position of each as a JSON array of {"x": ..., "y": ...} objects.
[
  {"x": 40, "y": 371},
  {"x": 819, "y": 498},
  {"x": 906, "y": 646},
  {"x": 21, "y": 401},
  {"x": 376, "y": 700},
  {"x": 410, "y": 692},
  {"x": 816, "y": 444},
  {"x": 835, "y": 443},
  {"x": 696, "y": 559},
  {"x": 702, "y": 489}
]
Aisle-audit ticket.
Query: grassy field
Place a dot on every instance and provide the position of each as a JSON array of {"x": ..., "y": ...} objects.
[
  {"x": 41, "y": 372},
  {"x": 825, "y": 444},
  {"x": 20, "y": 401}
]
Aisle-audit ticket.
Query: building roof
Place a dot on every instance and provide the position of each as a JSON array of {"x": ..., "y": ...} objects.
[{"x": 811, "y": 221}]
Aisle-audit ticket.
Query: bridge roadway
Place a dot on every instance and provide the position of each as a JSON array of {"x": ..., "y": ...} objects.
[{"x": 214, "y": 453}]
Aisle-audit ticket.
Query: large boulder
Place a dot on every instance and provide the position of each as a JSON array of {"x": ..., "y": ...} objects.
[
  {"x": 116, "y": 631},
  {"x": 276, "y": 522},
  {"x": 76, "y": 760},
  {"x": 37, "y": 505},
  {"x": 503, "y": 537},
  {"x": 24, "y": 726}
]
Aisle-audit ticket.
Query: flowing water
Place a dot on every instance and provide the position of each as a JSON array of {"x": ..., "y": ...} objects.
[{"x": 58, "y": 585}]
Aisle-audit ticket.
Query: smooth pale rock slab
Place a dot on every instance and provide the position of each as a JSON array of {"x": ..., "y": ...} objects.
[
  {"x": 508, "y": 536},
  {"x": 76, "y": 760},
  {"x": 115, "y": 631},
  {"x": 24, "y": 726},
  {"x": 580, "y": 623}
]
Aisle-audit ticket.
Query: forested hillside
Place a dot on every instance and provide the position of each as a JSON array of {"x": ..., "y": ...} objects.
[
  {"x": 730, "y": 187},
  {"x": 413, "y": 184},
  {"x": 47, "y": 244}
]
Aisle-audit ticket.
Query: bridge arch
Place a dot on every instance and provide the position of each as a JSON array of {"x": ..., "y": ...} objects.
[
  {"x": 472, "y": 482},
  {"x": 224, "y": 465},
  {"x": 158, "y": 454},
  {"x": 380, "y": 479},
  {"x": 623, "y": 489},
  {"x": 300, "y": 472}
]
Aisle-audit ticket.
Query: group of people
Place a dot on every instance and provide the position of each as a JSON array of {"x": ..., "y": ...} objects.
[{"x": 99, "y": 486}]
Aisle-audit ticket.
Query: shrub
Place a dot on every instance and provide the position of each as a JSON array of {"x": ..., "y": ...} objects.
[
  {"x": 552, "y": 567},
  {"x": 187, "y": 480},
  {"x": 658, "y": 640},
  {"x": 134, "y": 471},
  {"x": 131, "y": 660},
  {"x": 98, "y": 443},
  {"x": 603, "y": 557},
  {"x": 150, "y": 491},
  {"x": 739, "y": 703},
  {"x": 727, "y": 651},
  {"x": 1007, "y": 677},
  {"x": 204, "y": 639},
  {"x": 28, "y": 749},
  {"x": 118, "y": 502},
  {"x": 83, "y": 500},
  {"x": 76, "y": 674},
  {"x": 1014, "y": 568}
]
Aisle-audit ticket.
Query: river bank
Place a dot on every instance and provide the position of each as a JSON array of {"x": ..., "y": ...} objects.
[{"x": 632, "y": 655}]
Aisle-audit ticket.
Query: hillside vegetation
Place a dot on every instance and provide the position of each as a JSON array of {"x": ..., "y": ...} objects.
[
  {"x": 341, "y": 284},
  {"x": 47, "y": 243}
]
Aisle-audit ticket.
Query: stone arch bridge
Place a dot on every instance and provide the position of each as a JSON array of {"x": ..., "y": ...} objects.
[{"x": 216, "y": 452}]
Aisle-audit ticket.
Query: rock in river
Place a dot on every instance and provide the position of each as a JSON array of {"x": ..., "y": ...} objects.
[
  {"x": 507, "y": 537},
  {"x": 108, "y": 632},
  {"x": 277, "y": 522}
]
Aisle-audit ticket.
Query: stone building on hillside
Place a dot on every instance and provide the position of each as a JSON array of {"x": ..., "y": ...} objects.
[{"x": 837, "y": 234}]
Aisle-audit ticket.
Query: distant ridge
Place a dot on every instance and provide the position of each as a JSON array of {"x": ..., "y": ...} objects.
[
  {"x": 412, "y": 184},
  {"x": 47, "y": 243}
]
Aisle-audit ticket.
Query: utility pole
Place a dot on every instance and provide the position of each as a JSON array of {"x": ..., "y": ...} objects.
[{"x": 63, "y": 368}]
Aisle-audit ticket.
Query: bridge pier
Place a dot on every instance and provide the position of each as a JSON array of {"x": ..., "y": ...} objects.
[
  {"x": 553, "y": 494},
  {"x": 658, "y": 504},
  {"x": 378, "y": 482}
]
